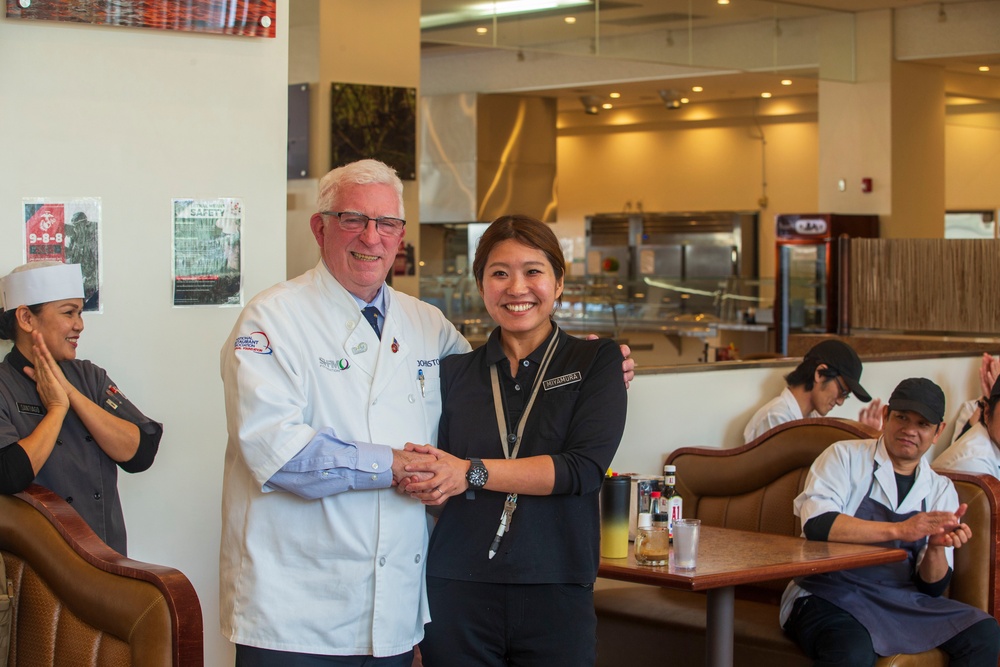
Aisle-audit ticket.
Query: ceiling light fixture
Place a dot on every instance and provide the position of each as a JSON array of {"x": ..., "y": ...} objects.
[
  {"x": 496, "y": 9},
  {"x": 614, "y": 96},
  {"x": 671, "y": 98},
  {"x": 984, "y": 68},
  {"x": 481, "y": 30},
  {"x": 786, "y": 82},
  {"x": 607, "y": 105},
  {"x": 570, "y": 19},
  {"x": 765, "y": 95},
  {"x": 684, "y": 100},
  {"x": 723, "y": 2},
  {"x": 696, "y": 89},
  {"x": 591, "y": 104}
]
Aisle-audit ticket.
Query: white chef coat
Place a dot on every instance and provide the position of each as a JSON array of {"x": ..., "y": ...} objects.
[
  {"x": 974, "y": 452},
  {"x": 962, "y": 418},
  {"x": 781, "y": 409},
  {"x": 839, "y": 479},
  {"x": 344, "y": 574}
]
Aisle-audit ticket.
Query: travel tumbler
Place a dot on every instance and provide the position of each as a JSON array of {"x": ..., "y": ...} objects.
[{"x": 616, "y": 492}]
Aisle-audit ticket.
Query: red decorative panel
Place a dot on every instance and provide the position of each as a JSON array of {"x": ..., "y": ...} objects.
[{"x": 254, "y": 18}]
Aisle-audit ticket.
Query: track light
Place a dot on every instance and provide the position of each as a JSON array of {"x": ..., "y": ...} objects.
[
  {"x": 591, "y": 104},
  {"x": 671, "y": 98}
]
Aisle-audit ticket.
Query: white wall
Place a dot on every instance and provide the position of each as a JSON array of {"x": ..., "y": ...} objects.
[
  {"x": 136, "y": 117},
  {"x": 702, "y": 406}
]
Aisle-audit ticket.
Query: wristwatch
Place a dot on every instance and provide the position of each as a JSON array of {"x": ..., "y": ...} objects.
[{"x": 477, "y": 474}]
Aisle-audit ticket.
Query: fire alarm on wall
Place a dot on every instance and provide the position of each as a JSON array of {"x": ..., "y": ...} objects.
[{"x": 866, "y": 185}]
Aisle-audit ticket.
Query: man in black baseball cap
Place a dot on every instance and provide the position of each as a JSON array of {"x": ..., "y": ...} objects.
[
  {"x": 882, "y": 491},
  {"x": 828, "y": 374}
]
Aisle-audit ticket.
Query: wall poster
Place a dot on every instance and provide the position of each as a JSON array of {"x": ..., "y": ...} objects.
[
  {"x": 207, "y": 267},
  {"x": 254, "y": 18},
  {"x": 68, "y": 231}
]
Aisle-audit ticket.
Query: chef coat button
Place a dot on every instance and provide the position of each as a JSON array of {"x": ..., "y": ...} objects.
[
  {"x": 512, "y": 438},
  {"x": 411, "y": 398},
  {"x": 97, "y": 496},
  {"x": 69, "y": 499},
  {"x": 416, "y": 559},
  {"x": 381, "y": 561},
  {"x": 350, "y": 324},
  {"x": 58, "y": 442},
  {"x": 525, "y": 363},
  {"x": 89, "y": 438},
  {"x": 375, "y": 465},
  {"x": 517, "y": 387}
]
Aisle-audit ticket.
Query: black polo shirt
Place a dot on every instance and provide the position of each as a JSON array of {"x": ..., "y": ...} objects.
[{"x": 577, "y": 420}]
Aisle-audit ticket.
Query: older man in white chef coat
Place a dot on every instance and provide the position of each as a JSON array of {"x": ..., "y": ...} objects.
[{"x": 322, "y": 563}]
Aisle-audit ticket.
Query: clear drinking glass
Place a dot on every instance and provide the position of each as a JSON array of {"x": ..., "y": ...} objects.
[{"x": 686, "y": 532}]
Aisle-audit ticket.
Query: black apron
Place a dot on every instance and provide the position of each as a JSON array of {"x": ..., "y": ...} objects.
[{"x": 884, "y": 599}]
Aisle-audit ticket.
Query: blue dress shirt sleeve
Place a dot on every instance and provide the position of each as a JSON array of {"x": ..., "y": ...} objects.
[{"x": 329, "y": 465}]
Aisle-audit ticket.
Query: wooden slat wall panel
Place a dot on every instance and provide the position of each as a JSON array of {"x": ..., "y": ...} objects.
[{"x": 930, "y": 285}]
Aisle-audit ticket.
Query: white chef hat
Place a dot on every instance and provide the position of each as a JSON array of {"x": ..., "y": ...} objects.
[{"x": 41, "y": 282}]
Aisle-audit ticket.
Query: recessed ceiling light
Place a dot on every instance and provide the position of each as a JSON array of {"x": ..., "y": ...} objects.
[
  {"x": 482, "y": 31},
  {"x": 786, "y": 82},
  {"x": 614, "y": 96},
  {"x": 607, "y": 105},
  {"x": 723, "y": 2},
  {"x": 984, "y": 68},
  {"x": 696, "y": 89},
  {"x": 765, "y": 95},
  {"x": 684, "y": 100},
  {"x": 570, "y": 19}
]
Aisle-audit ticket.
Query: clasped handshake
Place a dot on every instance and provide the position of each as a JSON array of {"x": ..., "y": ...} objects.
[{"x": 427, "y": 473}]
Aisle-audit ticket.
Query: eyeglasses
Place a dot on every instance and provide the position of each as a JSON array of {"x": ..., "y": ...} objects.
[
  {"x": 844, "y": 391},
  {"x": 352, "y": 221}
]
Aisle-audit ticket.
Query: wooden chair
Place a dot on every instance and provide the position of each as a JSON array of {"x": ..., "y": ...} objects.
[{"x": 80, "y": 603}]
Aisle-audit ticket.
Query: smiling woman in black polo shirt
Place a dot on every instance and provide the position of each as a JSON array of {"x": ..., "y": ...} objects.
[
  {"x": 63, "y": 423},
  {"x": 530, "y": 424}
]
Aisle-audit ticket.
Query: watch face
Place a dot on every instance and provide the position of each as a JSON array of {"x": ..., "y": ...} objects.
[{"x": 477, "y": 476}]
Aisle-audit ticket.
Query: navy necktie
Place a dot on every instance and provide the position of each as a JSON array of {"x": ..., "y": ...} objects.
[{"x": 371, "y": 314}]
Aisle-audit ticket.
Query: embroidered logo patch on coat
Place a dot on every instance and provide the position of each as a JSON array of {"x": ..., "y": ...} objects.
[
  {"x": 335, "y": 365},
  {"x": 256, "y": 342}
]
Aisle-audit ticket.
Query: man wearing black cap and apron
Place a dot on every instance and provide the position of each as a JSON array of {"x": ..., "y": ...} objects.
[
  {"x": 884, "y": 492},
  {"x": 828, "y": 374}
]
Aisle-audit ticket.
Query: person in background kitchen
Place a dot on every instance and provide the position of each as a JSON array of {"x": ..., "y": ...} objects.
[
  {"x": 321, "y": 562},
  {"x": 65, "y": 425},
  {"x": 828, "y": 374}
]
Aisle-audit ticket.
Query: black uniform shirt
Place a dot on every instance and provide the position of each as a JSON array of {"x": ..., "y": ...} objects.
[
  {"x": 77, "y": 469},
  {"x": 576, "y": 419}
]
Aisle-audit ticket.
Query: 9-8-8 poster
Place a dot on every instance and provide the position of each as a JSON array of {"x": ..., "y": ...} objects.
[{"x": 68, "y": 231}]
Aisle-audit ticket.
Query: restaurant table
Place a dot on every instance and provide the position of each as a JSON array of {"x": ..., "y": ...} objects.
[{"x": 728, "y": 558}]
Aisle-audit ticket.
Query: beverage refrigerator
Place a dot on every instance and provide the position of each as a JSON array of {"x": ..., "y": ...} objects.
[{"x": 806, "y": 284}]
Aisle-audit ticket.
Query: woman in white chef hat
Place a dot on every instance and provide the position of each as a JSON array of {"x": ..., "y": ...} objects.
[{"x": 63, "y": 423}]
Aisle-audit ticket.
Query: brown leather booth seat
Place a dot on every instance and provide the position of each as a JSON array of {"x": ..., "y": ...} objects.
[
  {"x": 752, "y": 488},
  {"x": 79, "y": 603}
]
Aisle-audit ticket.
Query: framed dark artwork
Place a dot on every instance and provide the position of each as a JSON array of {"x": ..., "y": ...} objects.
[
  {"x": 253, "y": 18},
  {"x": 377, "y": 122}
]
